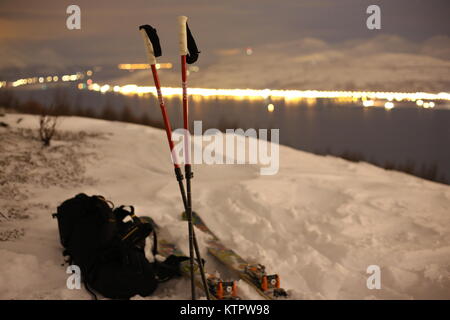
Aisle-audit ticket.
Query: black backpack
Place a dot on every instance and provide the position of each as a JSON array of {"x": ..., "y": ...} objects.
[{"x": 110, "y": 252}]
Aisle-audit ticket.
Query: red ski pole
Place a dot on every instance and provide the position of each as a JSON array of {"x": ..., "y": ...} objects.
[
  {"x": 187, "y": 42},
  {"x": 153, "y": 47}
]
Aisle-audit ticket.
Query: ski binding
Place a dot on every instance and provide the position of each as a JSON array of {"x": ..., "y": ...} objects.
[
  {"x": 222, "y": 290},
  {"x": 269, "y": 284}
]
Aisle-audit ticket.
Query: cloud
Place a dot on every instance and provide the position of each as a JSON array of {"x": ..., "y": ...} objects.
[
  {"x": 438, "y": 46},
  {"x": 18, "y": 56},
  {"x": 381, "y": 44}
]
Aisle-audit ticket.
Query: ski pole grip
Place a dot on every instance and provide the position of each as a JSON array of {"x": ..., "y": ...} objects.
[
  {"x": 149, "y": 48},
  {"x": 151, "y": 55},
  {"x": 182, "y": 20}
]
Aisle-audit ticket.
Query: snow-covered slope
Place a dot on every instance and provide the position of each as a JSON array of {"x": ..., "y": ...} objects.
[{"x": 320, "y": 222}]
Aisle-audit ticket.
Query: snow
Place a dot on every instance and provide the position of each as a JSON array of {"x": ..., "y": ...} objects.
[{"x": 319, "y": 223}]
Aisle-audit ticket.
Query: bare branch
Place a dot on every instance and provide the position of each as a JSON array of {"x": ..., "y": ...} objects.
[{"x": 47, "y": 125}]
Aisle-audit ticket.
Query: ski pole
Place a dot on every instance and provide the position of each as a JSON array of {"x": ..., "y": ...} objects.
[
  {"x": 188, "y": 42},
  {"x": 153, "y": 47}
]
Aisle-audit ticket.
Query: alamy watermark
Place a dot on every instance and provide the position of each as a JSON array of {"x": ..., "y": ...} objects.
[
  {"x": 74, "y": 280},
  {"x": 374, "y": 280},
  {"x": 236, "y": 146},
  {"x": 373, "y": 22},
  {"x": 73, "y": 21}
]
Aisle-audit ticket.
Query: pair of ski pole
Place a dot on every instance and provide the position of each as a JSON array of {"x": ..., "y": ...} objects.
[{"x": 189, "y": 54}]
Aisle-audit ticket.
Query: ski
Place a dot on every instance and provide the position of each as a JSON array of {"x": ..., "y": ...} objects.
[
  {"x": 218, "y": 288},
  {"x": 267, "y": 285}
]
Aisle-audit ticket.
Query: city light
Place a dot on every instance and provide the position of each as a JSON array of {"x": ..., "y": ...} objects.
[
  {"x": 367, "y": 98},
  {"x": 287, "y": 95},
  {"x": 143, "y": 66},
  {"x": 428, "y": 105},
  {"x": 194, "y": 68},
  {"x": 389, "y": 105},
  {"x": 19, "y": 82},
  {"x": 104, "y": 88},
  {"x": 42, "y": 79},
  {"x": 368, "y": 103},
  {"x": 270, "y": 107}
]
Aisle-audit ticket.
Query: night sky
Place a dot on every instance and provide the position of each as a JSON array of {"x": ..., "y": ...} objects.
[{"x": 34, "y": 32}]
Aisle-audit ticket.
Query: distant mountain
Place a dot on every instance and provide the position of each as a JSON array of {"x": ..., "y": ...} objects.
[{"x": 381, "y": 63}]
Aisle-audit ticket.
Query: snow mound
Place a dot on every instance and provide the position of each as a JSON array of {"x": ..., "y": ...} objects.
[{"x": 319, "y": 223}]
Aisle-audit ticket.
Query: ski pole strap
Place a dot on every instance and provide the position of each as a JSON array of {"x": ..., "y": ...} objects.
[
  {"x": 151, "y": 41},
  {"x": 188, "y": 47},
  {"x": 192, "y": 47}
]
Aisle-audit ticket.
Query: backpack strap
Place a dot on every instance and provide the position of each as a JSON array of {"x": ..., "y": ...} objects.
[
  {"x": 109, "y": 202},
  {"x": 169, "y": 268},
  {"x": 155, "y": 244},
  {"x": 88, "y": 289},
  {"x": 121, "y": 213}
]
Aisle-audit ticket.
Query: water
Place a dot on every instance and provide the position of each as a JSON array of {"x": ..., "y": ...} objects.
[
  {"x": 413, "y": 138},
  {"x": 407, "y": 137}
]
